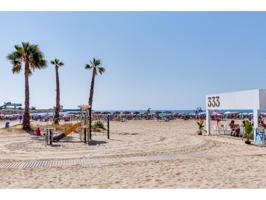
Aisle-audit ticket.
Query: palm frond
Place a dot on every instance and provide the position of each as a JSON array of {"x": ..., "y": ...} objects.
[
  {"x": 101, "y": 70},
  {"x": 57, "y": 62},
  {"x": 88, "y": 66},
  {"x": 36, "y": 58},
  {"x": 26, "y": 53},
  {"x": 18, "y": 48},
  {"x": 61, "y": 64},
  {"x": 16, "y": 68},
  {"x": 15, "y": 59},
  {"x": 96, "y": 62}
]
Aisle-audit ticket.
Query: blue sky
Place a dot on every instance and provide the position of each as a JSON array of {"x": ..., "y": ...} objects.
[{"x": 161, "y": 60}]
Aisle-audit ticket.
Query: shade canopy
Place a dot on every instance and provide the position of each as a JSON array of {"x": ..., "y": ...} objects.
[
  {"x": 84, "y": 107},
  {"x": 250, "y": 99}
]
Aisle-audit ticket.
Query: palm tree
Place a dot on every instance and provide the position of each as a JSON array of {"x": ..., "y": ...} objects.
[
  {"x": 57, "y": 63},
  {"x": 32, "y": 58},
  {"x": 96, "y": 67}
]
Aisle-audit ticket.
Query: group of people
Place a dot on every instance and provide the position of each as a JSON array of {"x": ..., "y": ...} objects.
[{"x": 235, "y": 128}]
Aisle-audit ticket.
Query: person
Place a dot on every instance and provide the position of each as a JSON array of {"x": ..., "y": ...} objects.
[
  {"x": 38, "y": 131},
  {"x": 20, "y": 118},
  {"x": 244, "y": 123},
  {"x": 261, "y": 122},
  {"x": 235, "y": 129},
  {"x": 218, "y": 120}
]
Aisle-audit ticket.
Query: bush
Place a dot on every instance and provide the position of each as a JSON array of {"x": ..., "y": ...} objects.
[
  {"x": 201, "y": 127},
  {"x": 248, "y": 130},
  {"x": 98, "y": 125}
]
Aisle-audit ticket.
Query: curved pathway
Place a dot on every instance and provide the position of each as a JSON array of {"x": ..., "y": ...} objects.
[{"x": 151, "y": 156}]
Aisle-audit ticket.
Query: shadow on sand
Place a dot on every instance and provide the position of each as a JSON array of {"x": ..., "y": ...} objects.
[{"x": 96, "y": 142}]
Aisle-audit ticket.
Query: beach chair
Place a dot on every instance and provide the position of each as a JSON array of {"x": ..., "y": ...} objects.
[
  {"x": 225, "y": 129},
  {"x": 218, "y": 129},
  {"x": 215, "y": 128},
  {"x": 242, "y": 132}
]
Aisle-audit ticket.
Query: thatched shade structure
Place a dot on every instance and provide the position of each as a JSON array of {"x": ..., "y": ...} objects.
[{"x": 84, "y": 107}]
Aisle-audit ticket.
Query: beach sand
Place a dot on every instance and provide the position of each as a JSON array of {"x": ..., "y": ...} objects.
[{"x": 140, "y": 154}]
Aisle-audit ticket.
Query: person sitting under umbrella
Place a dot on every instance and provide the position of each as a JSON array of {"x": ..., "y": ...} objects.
[
  {"x": 261, "y": 122},
  {"x": 235, "y": 129}
]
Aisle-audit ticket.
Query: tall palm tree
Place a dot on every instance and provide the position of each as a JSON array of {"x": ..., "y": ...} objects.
[
  {"x": 96, "y": 67},
  {"x": 57, "y": 63},
  {"x": 32, "y": 58}
]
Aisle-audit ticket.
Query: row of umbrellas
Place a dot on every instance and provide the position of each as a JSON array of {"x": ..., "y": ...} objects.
[{"x": 137, "y": 113}]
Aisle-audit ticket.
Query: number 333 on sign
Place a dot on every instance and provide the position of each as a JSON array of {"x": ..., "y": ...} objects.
[{"x": 214, "y": 101}]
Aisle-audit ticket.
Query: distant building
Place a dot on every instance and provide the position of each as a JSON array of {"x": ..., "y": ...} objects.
[{"x": 10, "y": 105}]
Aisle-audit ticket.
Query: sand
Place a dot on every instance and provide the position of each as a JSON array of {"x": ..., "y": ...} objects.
[{"x": 140, "y": 154}]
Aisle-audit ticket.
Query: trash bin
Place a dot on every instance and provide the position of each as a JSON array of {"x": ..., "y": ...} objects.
[{"x": 7, "y": 124}]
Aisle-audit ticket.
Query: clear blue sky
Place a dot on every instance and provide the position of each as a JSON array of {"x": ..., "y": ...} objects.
[{"x": 162, "y": 60}]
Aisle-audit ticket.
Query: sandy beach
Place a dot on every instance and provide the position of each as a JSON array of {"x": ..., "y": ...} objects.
[{"x": 140, "y": 154}]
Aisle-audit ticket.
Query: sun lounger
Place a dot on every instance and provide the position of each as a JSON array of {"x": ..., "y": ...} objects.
[{"x": 224, "y": 129}]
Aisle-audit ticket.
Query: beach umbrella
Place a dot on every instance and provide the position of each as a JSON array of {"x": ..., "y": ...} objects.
[
  {"x": 192, "y": 114},
  {"x": 220, "y": 114},
  {"x": 214, "y": 113},
  {"x": 202, "y": 113},
  {"x": 263, "y": 114},
  {"x": 176, "y": 114},
  {"x": 182, "y": 114}
]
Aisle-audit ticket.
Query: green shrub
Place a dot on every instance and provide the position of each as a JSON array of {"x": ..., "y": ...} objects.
[
  {"x": 248, "y": 130},
  {"x": 201, "y": 127},
  {"x": 98, "y": 125}
]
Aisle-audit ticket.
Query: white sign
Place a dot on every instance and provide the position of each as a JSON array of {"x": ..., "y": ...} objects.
[{"x": 250, "y": 99}]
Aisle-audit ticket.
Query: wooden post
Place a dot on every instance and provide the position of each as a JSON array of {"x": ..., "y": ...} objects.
[
  {"x": 85, "y": 135},
  {"x": 108, "y": 127},
  {"x": 51, "y": 136},
  {"x": 46, "y": 137}
]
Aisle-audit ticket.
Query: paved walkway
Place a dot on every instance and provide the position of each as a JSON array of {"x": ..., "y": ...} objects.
[{"x": 85, "y": 161}]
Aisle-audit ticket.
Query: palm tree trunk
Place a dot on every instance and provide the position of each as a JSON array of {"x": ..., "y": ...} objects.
[
  {"x": 91, "y": 100},
  {"x": 92, "y": 87},
  {"x": 26, "y": 116},
  {"x": 57, "y": 107}
]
